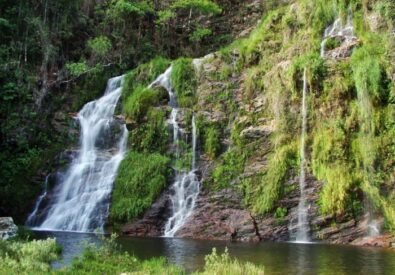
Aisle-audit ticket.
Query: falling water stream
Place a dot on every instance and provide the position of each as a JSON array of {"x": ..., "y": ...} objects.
[
  {"x": 80, "y": 202},
  {"x": 32, "y": 217},
  {"x": 185, "y": 188},
  {"x": 302, "y": 226},
  {"x": 337, "y": 29}
]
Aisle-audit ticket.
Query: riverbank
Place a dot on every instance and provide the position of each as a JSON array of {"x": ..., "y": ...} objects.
[
  {"x": 35, "y": 257},
  {"x": 276, "y": 257}
]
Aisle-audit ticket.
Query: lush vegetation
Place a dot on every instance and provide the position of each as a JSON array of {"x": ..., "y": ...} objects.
[
  {"x": 349, "y": 117},
  {"x": 57, "y": 55},
  {"x": 184, "y": 82},
  {"x": 141, "y": 178},
  {"x": 23, "y": 257},
  {"x": 34, "y": 257},
  {"x": 255, "y": 81}
]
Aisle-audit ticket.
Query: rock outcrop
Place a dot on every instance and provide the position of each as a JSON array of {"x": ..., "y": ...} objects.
[
  {"x": 220, "y": 216},
  {"x": 8, "y": 229}
]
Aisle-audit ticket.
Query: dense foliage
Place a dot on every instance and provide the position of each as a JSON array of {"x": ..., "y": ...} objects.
[
  {"x": 56, "y": 55},
  {"x": 141, "y": 178}
]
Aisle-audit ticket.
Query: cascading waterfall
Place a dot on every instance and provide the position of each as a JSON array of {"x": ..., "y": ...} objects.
[
  {"x": 302, "y": 226},
  {"x": 337, "y": 29},
  {"x": 186, "y": 186},
  {"x": 32, "y": 217},
  {"x": 81, "y": 200}
]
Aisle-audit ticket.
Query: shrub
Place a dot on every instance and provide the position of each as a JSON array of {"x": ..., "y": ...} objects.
[
  {"x": 223, "y": 265},
  {"x": 20, "y": 257},
  {"x": 100, "y": 45},
  {"x": 199, "y": 34},
  {"x": 76, "y": 69},
  {"x": 202, "y": 6}
]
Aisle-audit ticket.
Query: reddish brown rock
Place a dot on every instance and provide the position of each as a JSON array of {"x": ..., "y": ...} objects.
[
  {"x": 386, "y": 240},
  {"x": 220, "y": 216}
]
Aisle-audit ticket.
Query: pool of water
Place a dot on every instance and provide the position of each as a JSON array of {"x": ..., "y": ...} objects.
[{"x": 277, "y": 258}]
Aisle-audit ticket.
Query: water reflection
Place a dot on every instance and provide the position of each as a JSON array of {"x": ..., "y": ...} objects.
[{"x": 278, "y": 258}]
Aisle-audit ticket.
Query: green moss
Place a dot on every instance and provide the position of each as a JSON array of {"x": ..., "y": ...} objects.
[
  {"x": 230, "y": 168},
  {"x": 212, "y": 143},
  {"x": 139, "y": 102},
  {"x": 140, "y": 180},
  {"x": 152, "y": 135},
  {"x": 184, "y": 82},
  {"x": 144, "y": 74}
]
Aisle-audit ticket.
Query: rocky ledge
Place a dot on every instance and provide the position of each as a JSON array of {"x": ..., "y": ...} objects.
[
  {"x": 8, "y": 229},
  {"x": 221, "y": 215}
]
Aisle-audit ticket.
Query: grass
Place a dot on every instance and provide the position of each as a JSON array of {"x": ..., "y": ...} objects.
[
  {"x": 34, "y": 257},
  {"x": 184, "y": 82},
  {"x": 140, "y": 180},
  {"x": 223, "y": 264},
  {"x": 27, "y": 257},
  {"x": 271, "y": 185}
]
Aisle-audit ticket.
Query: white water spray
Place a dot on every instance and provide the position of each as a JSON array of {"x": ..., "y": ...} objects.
[
  {"x": 337, "y": 29},
  {"x": 302, "y": 226},
  {"x": 82, "y": 200},
  {"x": 186, "y": 186}
]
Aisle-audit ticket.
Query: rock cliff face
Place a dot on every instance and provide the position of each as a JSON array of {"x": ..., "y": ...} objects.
[
  {"x": 256, "y": 110},
  {"x": 308, "y": 71},
  {"x": 222, "y": 214}
]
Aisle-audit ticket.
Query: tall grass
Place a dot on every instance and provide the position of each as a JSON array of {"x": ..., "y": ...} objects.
[
  {"x": 22, "y": 257},
  {"x": 140, "y": 180}
]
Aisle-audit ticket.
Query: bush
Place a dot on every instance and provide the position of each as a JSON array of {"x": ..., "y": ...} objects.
[
  {"x": 100, "y": 45},
  {"x": 20, "y": 257},
  {"x": 140, "y": 180},
  {"x": 224, "y": 265}
]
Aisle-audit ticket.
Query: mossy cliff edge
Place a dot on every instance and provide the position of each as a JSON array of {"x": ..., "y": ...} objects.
[{"x": 247, "y": 101}]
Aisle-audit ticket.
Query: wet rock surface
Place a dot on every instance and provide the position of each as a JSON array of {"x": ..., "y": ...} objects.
[
  {"x": 8, "y": 229},
  {"x": 220, "y": 216},
  {"x": 152, "y": 223}
]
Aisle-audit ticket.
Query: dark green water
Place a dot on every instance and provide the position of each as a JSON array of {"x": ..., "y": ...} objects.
[{"x": 278, "y": 258}]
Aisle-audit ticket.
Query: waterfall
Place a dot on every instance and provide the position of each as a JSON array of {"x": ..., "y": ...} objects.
[
  {"x": 337, "y": 29},
  {"x": 32, "y": 217},
  {"x": 302, "y": 227},
  {"x": 186, "y": 185},
  {"x": 194, "y": 143},
  {"x": 81, "y": 199}
]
